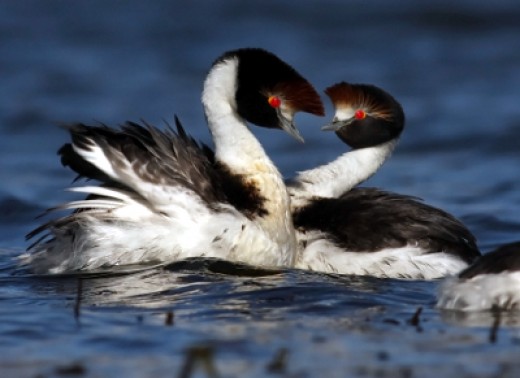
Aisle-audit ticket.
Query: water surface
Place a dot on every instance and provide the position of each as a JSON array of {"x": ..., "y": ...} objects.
[{"x": 455, "y": 69}]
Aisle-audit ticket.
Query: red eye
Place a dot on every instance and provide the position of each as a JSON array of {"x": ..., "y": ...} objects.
[
  {"x": 274, "y": 101},
  {"x": 360, "y": 114}
]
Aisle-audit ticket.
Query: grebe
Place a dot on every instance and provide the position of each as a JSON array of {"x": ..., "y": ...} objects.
[
  {"x": 490, "y": 283},
  {"x": 163, "y": 197},
  {"x": 370, "y": 121},
  {"x": 366, "y": 231}
]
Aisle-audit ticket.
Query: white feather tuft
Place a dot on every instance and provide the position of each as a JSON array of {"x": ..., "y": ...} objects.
[{"x": 482, "y": 292}]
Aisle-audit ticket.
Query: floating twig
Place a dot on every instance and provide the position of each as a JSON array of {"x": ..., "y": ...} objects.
[
  {"x": 169, "y": 318},
  {"x": 415, "y": 320},
  {"x": 493, "y": 332},
  {"x": 73, "y": 369},
  {"x": 77, "y": 303},
  {"x": 199, "y": 355},
  {"x": 279, "y": 362}
]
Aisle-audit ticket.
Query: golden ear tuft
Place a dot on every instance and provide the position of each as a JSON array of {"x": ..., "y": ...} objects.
[
  {"x": 300, "y": 95},
  {"x": 343, "y": 94}
]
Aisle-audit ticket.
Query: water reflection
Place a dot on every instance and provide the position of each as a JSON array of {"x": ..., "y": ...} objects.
[
  {"x": 215, "y": 288},
  {"x": 481, "y": 318}
]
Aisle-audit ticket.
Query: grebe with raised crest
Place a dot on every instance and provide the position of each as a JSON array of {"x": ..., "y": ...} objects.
[
  {"x": 164, "y": 197},
  {"x": 367, "y": 231}
]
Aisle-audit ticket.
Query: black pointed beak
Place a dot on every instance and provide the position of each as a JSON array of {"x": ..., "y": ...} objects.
[
  {"x": 289, "y": 127},
  {"x": 335, "y": 125}
]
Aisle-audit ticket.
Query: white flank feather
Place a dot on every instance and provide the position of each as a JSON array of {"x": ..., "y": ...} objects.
[
  {"x": 409, "y": 262},
  {"x": 499, "y": 291}
]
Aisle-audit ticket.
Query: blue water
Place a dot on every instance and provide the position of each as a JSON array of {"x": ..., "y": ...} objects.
[{"x": 455, "y": 67}]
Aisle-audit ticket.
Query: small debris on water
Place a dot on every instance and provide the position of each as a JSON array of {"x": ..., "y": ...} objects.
[
  {"x": 493, "y": 332},
  {"x": 73, "y": 369},
  {"x": 169, "y": 318},
  {"x": 77, "y": 303},
  {"x": 199, "y": 355},
  {"x": 279, "y": 362}
]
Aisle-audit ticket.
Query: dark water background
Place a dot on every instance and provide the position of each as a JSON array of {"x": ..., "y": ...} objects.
[{"x": 455, "y": 67}]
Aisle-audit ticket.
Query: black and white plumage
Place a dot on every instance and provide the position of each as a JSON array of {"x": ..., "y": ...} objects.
[
  {"x": 164, "y": 197},
  {"x": 367, "y": 231},
  {"x": 491, "y": 283}
]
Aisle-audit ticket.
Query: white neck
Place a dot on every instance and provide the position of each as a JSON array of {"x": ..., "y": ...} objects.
[
  {"x": 339, "y": 176},
  {"x": 238, "y": 149},
  {"x": 230, "y": 132}
]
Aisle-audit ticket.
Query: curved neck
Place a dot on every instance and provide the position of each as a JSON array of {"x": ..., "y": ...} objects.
[
  {"x": 339, "y": 176},
  {"x": 235, "y": 144},
  {"x": 237, "y": 148}
]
